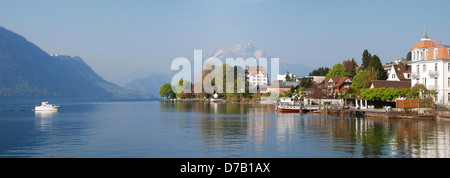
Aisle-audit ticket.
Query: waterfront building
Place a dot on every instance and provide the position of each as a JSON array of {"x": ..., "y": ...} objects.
[
  {"x": 257, "y": 76},
  {"x": 280, "y": 88},
  {"x": 282, "y": 78},
  {"x": 338, "y": 85},
  {"x": 399, "y": 72},
  {"x": 430, "y": 66}
]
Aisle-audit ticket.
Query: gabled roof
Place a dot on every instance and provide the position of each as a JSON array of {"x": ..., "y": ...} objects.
[
  {"x": 400, "y": 70},
  {"x": 388, "y": 84},
  {"x": 338, "y": 81},
  {"x": 254, "y": 70}
]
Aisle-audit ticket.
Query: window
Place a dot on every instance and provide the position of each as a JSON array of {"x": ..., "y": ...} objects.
[
  {"x": 435, "y": 53},
  {"x": 448, "y": 97},
  {"x": 424, "y": 68},
  {"x": 393, "y": 75},
  {"x": 426, "y": 54},
  {"x": 420, "y": 55},
  {"x": 414, "y": 56},
  {"x": 436, "y": 82},
  {"x": 425, "y": 81},
  {"x": 448, "y": 82},
  {"x": 435, "y": 67},
  {"x": 419, "y": 70}
]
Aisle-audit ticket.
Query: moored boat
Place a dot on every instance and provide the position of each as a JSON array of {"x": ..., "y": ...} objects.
[
  {"x": 288, "y": 108},
  {"x": 287, "y": 105}
]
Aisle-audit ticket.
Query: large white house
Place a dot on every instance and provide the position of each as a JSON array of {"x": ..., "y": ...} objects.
[
  {"x": 257, "y": 76},
  {"x": 430, "y": 66}
]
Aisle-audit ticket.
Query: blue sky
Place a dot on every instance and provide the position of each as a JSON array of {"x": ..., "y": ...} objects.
[{"x": 118, "y": 37}]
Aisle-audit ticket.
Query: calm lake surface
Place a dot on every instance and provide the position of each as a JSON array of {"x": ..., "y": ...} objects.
[{"x": 152, "y": 129}]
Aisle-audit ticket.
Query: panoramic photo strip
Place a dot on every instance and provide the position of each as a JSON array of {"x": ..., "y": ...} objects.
[{"x": 225, "y": 87}]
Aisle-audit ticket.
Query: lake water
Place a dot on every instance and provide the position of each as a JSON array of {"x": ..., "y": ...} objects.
[{"x": 153, "y": 129}]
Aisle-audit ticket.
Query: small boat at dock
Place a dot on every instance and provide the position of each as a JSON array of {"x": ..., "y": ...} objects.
[
  {"x": 286, "y": 104},
  {"x": 288, "y": 108}
]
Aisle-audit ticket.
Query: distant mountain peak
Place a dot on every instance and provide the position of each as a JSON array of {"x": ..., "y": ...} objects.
[{"x": 244, "y": 50}]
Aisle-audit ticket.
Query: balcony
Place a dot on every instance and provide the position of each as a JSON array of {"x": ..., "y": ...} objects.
[{"x": 433, "y": 73}]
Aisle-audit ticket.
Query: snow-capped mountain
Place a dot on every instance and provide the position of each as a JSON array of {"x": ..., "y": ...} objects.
[
  {"x": 247, "y": 50},
  {"x": 243, "y": 50}
]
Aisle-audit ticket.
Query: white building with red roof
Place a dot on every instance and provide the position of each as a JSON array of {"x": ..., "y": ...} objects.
[
  {"x": 430, "y": 66},
  {"x": 257, "y": 76},
  {"x": 399, "y": 72}
]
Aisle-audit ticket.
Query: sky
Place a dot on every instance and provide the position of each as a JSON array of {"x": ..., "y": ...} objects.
[{"x": 118, "y": 37}]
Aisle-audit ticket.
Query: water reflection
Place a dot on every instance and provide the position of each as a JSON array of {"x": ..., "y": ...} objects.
[
  {"x": 251, "y": 130},
  {"x": 158, "y": 129},
  {"x": 44, "y": 119},
  {"x": 45, "y": 114},
  {"x": 217, "y": 108}
]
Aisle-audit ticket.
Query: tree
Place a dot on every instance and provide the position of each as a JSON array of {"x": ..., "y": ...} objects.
[
  {"x": 305, "y": 83},
  {"x": 420, "y": 91},
  {"x": 408, "y": 56},
  {"x": 321, "y": 71},
  {"x": 359, "y": 80},
  {"x": 166, "y": 91},
  {"x": 337, "y": 71},
  {"x": 352, "y": 72},
  {"x": 363, "y": 78},
  {"x": 352, "y": 92},
  {"x": 288, "y": 77},
  {"x": 375, "y": 63},
  {"x": 183, "y": 85},
  {"x": 366, "y": 57},
  {"x": 319, "y": 92},
  {"x": 350, "y": 66},
  {"x": 237, "y": 91},
  {"x": 383, "y": 94}
]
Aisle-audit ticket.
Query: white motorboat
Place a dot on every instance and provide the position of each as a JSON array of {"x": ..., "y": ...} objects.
[{"x": 46, "y": 107}]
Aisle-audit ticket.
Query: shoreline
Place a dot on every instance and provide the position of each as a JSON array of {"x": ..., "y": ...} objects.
[{"x": 394, "y": 113}]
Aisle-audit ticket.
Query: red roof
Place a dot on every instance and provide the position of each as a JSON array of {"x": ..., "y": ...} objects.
[
  {"x": 423, "y": 44},
  {"x": 389, "y": 84},
  {"x": 338, "y": 81},
  {"x": 400, "y": 69}
]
